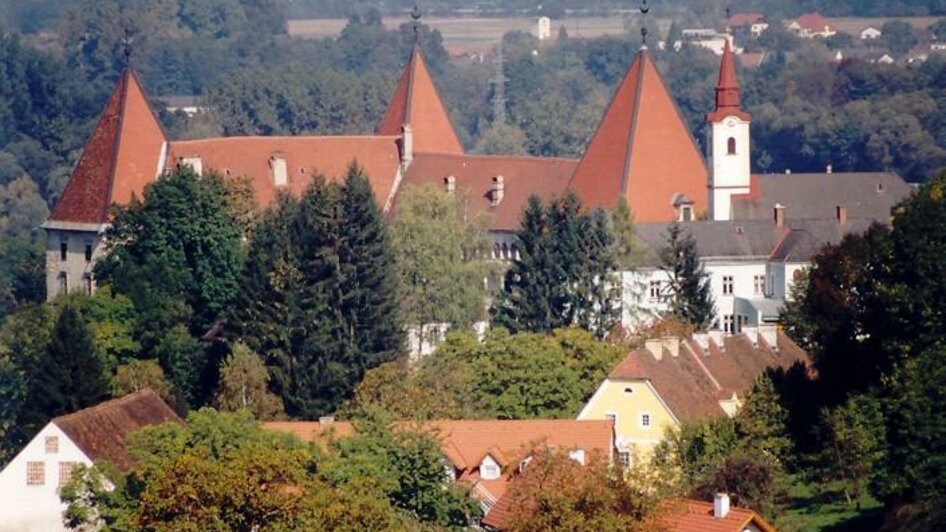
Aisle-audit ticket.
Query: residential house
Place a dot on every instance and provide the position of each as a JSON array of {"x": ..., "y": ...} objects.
[
  {"x": 754, "y": 20},
  {"x": 689, "y": 515},
  {"x": 811, "y": 26},
  {"x": 489, "y": 455},
  {"x": 870, "y": 33},
  {"x": 30, "y": 484},
  {"x": 670, "y": 381},
  {"x": 709, "y": 39}
]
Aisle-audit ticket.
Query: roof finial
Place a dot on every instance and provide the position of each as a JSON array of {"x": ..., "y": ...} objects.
[
  {"x": 127, "y": 40},
  {"x": 415, "y": 17},
  {"x": 645, "y": 9}
]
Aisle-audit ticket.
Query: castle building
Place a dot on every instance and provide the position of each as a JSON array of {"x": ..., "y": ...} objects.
[{"x": 642, "y": 151}]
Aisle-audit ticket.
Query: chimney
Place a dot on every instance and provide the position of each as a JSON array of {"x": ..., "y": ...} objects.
[
  {"x": 720, "y": 505},
  {"x": 407, "y": 145},
  {"x": 326, "y": 421},
  {"x": 829, "y": 169},
  {"x": 779, "y": 215},
  {"x": 450, "y": 184},
  {"x": 655, "y": 347},
  {"x": 498, "y": 192},
  {"x": 841, "y": 214},
  {"x": 788, "y": 171}
]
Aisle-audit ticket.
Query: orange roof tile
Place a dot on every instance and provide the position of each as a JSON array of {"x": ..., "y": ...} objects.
[
  {"x": 814, "y": 22},
  {"x": 744, "y": 19},
  {"x": 688, "y": 515},
  {"x": 522, "y": 177},
  {"x": 416, "y": 102},
  {"x": 312, "y": 431},
  {"x": 102, "y": 430},
  {"x": 642, "y": 151},
  {"x": 120, "y": 158},
  {"x": 305, "y": 157}
]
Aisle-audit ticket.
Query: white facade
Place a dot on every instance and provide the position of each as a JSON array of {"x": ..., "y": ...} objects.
[
  {"x": 71, "y": 253},
  {"x": 544, "y": 28},
  {"x": 730, "y": 170},
  {"x": 871, "y": 33},
  {"x": 29, "y": 485}
]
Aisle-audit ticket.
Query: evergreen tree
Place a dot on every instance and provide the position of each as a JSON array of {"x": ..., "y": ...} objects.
[
  {"x": 690, "y": 298},
  {"x": 564, "y": 275},
  {"x": 68, "y": 376}
]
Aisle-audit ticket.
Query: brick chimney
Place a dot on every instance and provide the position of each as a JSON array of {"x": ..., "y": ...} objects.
[
  {"x": 498, "y": 192},
  {"x": 841, "y": 211},
  {"x": 450, "y": 184},
  {"x": 407, "y": 145},
  {"x": 720, "y": 505},
  {"x": 779, "y": 215}
]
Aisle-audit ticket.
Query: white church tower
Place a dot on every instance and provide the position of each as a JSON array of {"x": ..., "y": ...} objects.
[{"x": 728, "y": 142}]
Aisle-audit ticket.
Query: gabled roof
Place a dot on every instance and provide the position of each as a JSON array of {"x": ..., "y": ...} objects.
[
  {"x": 305, "y": 158},
  {"x": 121, "y": 157},
  {"x": 417, "y": 103},
  {"x": 102, "y": 430},
  {"x": 688, "y": 515},
  {"x": 642, "y": 151},
  {"x": 814, "y": 22},
  {"x": 739, "y": 20},
  {"x": 692, "y": 383},
  {"x": 522, "y": 177}
]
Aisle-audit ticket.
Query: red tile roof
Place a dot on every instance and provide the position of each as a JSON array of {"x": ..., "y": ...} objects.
[
  {"x": 312, "y": 431},
  {"x": 739, "y": 20},
  {"x": 642, "y": 150},
  {"x": 814, "y": 22},
  {"x": 102, "y": 430},
  {"x": 305, "y": 157},
  {"x": 727, "y": 89},
  {"x": 692, "y": 383},
  {"x": 688, "y": 515},
  {"x": 120, "y": 158},
  {"x": 417, "y": 102},
  {"x": 522, "y": 177}
]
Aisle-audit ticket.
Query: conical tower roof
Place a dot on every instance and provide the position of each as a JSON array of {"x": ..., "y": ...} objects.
[
  {"x": 417, "y": 103},
  {"x": 728, "y": 98},
  {"x": 121, "y": 157},
  {"x": 642, "y": 151}
]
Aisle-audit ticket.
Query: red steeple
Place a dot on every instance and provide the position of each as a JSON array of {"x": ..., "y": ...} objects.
[{"x": 727, "y": 89}]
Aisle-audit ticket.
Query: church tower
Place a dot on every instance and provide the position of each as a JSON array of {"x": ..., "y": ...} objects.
[{"x": 728, "y": 142}]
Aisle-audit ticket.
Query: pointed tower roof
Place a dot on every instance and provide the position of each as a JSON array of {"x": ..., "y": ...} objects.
[
  {"x": 122, "y": 156},
  {"x": 727, "y": 89},
  {"x": 417, "y": 103},
  {"x": 642, "y": 151}
]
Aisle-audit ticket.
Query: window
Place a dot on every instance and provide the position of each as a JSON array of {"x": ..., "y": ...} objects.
[
  {"x": 35, "y": 473},
  {"x": 52, "y": 444},
  {"x": 628, "y": 390},
  {"x": 489, "y": 470},
  {"x": 514, "y": 250},
  {"x": 87, "y": 283},
  {"x": 731, "y": 146},
  {"x": 645, "y": 421},
  {"x": 624, "y": 457},
  {"x": 497, "y": 252},
  {"x": 63, "y": 250},
  {"x": 505, "y": 251},
  {"x": 758, "y": 285},
  {"x": 280, "y": 172},
  {"x": 727, "y": 285},
  {"x": 63, "y": 280},
  {"x": 654, "y": 290},
  {"x": 195, "y": 163},
  {"x": 577, "y": 455},
  {"x": 686, "y": 213},
  {"x": 728, "y": 324},
  {"x": 88, "y": 251},
  {"x": 65, "y": 472}
]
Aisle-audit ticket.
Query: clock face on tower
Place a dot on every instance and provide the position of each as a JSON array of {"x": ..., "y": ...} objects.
[{"x": 730, "y": 123}]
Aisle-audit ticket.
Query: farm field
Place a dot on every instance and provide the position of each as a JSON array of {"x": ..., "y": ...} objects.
[
  {"x": 475, "y": 31},
  {"x": 854, "y": 25}
]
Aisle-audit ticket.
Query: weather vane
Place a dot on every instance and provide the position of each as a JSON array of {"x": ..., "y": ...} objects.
[
  {"x": 126, "y": 46},
  {"x": 415, "y": 16},
  {"x": 644, "y": 10}
]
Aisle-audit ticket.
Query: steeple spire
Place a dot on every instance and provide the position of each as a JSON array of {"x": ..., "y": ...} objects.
[
  {"x": 645, "y": 9},
  {"x": 728, "y": 98}
]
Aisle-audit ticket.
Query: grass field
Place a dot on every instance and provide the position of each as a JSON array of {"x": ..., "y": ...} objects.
[
  {"x": 827, "y": 511},
  {"x": 473, "y": 31},
  {"x": 854, "y": 25}
]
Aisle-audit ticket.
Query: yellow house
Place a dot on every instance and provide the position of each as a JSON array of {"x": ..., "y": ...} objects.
[{"x": 669, "y": 381}]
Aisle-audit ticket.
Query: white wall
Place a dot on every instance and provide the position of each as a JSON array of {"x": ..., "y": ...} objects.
[
  {"x": 75, "y": 267},
  {"x": 25, "y": 508},
  {"x": 729, "y": 174}
]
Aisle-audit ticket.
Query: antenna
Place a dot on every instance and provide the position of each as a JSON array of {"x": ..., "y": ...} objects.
[
  {"x": 415, "y": 17},
  {"x": 499, "y": 88},
  {"x": 645, "y": 9}
]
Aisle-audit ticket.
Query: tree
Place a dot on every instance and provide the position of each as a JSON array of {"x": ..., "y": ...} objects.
[
  {"x": 243, "y": 385},
  {"x": 555, "y": 492},
  {"x": 439, "y": 259},
  {"x": 761, "y": 422},
  {"x": 690, "y": 297},
  {"x": 899, "y": 35},
  {"x": 68, "y": 375},
  {"x": 852, "y": 445},
  {"x": 502, "y": 139},
  {"x": 138, "y": 375},
  {"x": 564, "y": 274}
]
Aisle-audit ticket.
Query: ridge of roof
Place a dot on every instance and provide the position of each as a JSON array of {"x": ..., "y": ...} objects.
[
  {"x": 417, "y": 102},
  {"x": 285, "y": 138},
  {"x": 484, "y": 156}
]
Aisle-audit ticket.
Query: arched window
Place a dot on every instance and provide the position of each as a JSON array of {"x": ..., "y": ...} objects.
[
  {"x": 497, "y": 252},
  {"x": 505, "y": 251},
  {"x": 731, "y": 146},
  {"x": 515, "y": 252}
]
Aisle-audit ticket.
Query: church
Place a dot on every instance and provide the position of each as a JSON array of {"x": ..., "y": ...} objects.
[{"x": 754, "y": 232}]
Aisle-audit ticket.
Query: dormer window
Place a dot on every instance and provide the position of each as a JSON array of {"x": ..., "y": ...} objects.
[
  {"x": 489, "y": 468},
  {"x": 731, "y": 146},
  {"x": 280, "y": 172},
  {"x": 684, "y": 206},
  {"x": 195, "y": 163},
  {"x": 577, "y": 455}
]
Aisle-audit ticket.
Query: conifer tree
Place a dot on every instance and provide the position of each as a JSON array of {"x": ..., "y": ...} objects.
[
  {"x": 68, "y": 376},
  {"x": 690, "y": 297}
]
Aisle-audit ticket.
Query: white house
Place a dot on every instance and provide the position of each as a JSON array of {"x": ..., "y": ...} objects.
[
  {"x": 811, "y": 26},
  {"x": 705, "y": 38},
  {"x": 29, "y": 485},
  {"x": 870, "y": 33}
]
